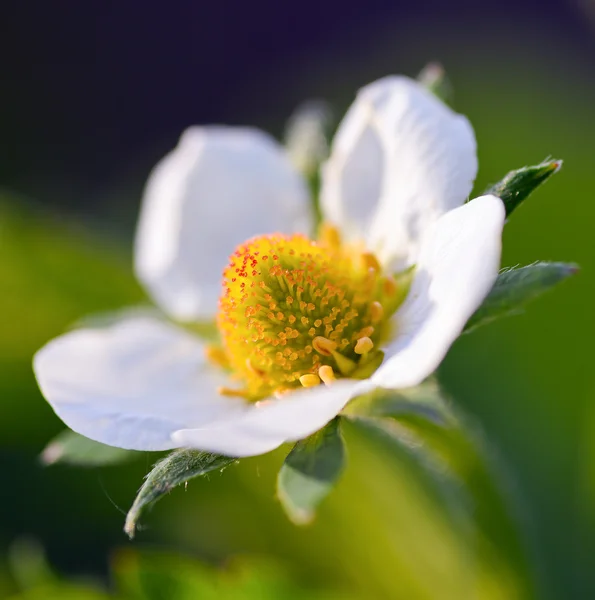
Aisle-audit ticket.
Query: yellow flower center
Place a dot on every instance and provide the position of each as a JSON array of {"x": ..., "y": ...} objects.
[{"x": 296, "y": 312}]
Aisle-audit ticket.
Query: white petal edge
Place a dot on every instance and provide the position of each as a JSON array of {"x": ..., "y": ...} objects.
[
  {"x": 458, "y": 266},
  {"x": 268, "y": 424},
  {"x": 400, "y": 159},
  {"x": 219, "y": 187},
  {"x": 131, "y": 384}
]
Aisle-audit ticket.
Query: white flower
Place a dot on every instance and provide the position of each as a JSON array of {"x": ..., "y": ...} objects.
[{"x": 401, "y": 167}]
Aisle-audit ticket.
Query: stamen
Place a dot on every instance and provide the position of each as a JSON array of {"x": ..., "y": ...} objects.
[
  {"x": 323, "y": 345},
  {"x": 364, "y": 345},
  {"x": 330, "y": 235},
  {"x": 345, "y": 365},
  {"x": 376, "y": 312},
  {"x": 309, "y": 380},
  {"x": 370, "y": 261},
  {"x": 253, "y": 369},
  {"x": 216, "y": 355},
  {"x": 231, "y": 393},
  {"x": 365, "y": 332},
  {"x": 296, "y": 312},
  {"x": 368, "y": 365},
  {"x": 390, "y": 286},
  {"x": 327, "y": 374}
]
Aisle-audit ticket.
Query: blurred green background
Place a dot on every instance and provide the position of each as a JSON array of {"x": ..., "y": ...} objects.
[{"x": 526, "y": 81}]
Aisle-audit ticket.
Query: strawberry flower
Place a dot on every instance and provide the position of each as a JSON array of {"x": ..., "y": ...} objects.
[{"x": 307, "y": 318}]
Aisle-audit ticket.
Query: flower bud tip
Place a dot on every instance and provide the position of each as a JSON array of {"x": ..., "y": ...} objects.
[
  {"x": 556, "y": 165},
  {"x": 52, "y": 454}
]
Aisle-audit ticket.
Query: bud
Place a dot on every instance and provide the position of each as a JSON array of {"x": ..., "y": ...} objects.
[
  {"x": 433, "y": 78},
  {"x": 306, "y": 137}
]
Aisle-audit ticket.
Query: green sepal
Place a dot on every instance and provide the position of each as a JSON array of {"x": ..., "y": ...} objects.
[
  {"x": 434, "y": 79},
  {"x": 516, "y": 286},
  {"x": 423, "y": 401},
  {"x": 310, "y": 472},
  {"x": 72, "y": 448},
  {"x": 174, "y": 469},
  {"x": 518, "y": 185}
]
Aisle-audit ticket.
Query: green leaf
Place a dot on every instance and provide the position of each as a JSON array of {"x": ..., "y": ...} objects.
[
  {"x": 516, "y": 286},
  {"x": 434, "y": 79},
  {"x": 456, "y": 465},
  {"x": 71, "y": 448},
  {"x": 178, "y": 467},
  {"x": 420, "y": 411},
  {"x": 310, "y": 472},
  {"x": 518, "y": 185}
]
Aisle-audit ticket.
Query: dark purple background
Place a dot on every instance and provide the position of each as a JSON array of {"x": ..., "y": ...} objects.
[{"x": 95, "y": 91}]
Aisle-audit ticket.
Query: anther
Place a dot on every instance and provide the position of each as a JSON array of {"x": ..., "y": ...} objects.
[
  {"x": 327, "y": 374},
  {"x": 365, "y": 332},
  {"x": 254, "y": 369},
  {"x": 390, "y": 286},
  {"x": 231, "y": 393},
  {"x": 330, "y": 235},
  {"x": 363, "y": 345},
  {"x": 217, "y": 355},
  {"x": 309, "y": 380},
  {"x": 323, "y": 345},
  {"x": 376, "y": 312},
  {"x": 370, "y": 261},
  {"x": 291, "y": 307}
]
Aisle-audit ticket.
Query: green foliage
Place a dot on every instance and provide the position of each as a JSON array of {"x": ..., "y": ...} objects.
[
  {"x": 160, "y": 576},
  {"x": 74, "y": 449},
  {"x": 62, "y": 590},
  {"x": 421, "y": 426},
  {"x": 52, "y": 273},
  {"x": 310, "y": 472},
  {"x": 178, "y": 467},
  {"x": 56, "y": 274},
  {"x": 517, "y": 185},
  {"x": 31, "y": 578},
  {"x": 517, "y": 286}
]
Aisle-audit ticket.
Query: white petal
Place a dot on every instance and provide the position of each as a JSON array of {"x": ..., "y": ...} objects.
[
  {"x": 268, "y": 424},
  {"x": 457, "y": 267},
  {"x": 400, "y": 159},
  {"x": 219, "y": 187},
  {"x": 131, "y": 384}
]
